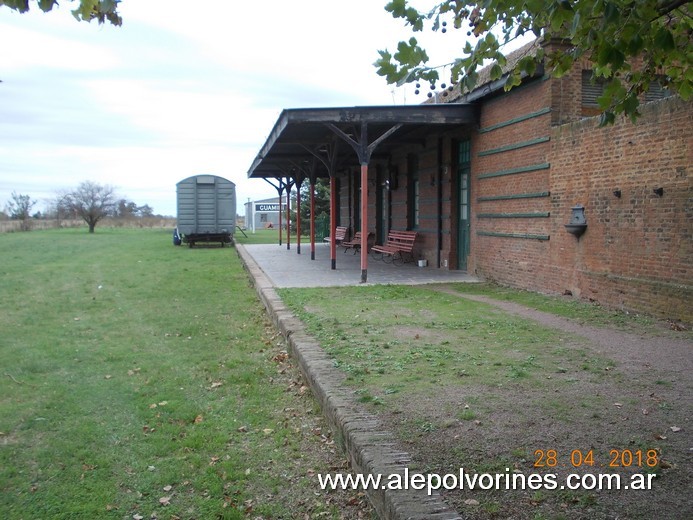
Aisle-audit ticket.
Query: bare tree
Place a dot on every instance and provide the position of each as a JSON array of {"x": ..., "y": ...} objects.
[
  {"x": 92, "y": 202},
  {"x": 19, "y": 208}
]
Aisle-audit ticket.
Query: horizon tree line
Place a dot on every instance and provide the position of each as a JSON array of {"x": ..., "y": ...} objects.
[{"x": 90, "y": 202}]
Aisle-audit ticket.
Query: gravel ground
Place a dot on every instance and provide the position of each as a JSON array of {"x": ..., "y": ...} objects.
[{"x": 642, "y": 403}]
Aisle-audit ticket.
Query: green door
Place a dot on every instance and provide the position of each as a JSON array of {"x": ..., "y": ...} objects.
[
  {"x": 382, "y": 210},
  {"x": 463, "y": 212}
]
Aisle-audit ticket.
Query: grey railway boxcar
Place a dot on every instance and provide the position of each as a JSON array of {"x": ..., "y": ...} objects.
[{"x": 206, "y": 206}]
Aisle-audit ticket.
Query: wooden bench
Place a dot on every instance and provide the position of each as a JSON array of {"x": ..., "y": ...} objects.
[
  {"x": 339, "y": 234},
  {"x": 398, "y": 248},
  {"x": 354, "y": 243}
]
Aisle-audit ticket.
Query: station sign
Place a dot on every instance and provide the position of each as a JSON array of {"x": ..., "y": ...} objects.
[{"x": 266, "y": 207}]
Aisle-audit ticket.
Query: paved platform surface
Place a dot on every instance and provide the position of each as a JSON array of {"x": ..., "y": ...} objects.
[{"x": 287, "y": 268}]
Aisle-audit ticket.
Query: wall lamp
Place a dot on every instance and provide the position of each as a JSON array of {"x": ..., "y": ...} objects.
[{"x": 659, "y": 191}]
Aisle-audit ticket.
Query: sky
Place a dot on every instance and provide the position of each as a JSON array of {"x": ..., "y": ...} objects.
[{"x": 182, "y": 88}]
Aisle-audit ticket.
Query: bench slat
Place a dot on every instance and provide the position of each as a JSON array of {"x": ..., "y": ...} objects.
[
  {"x": 398, "y": 244},
  {"x": 340, "y": 233}
]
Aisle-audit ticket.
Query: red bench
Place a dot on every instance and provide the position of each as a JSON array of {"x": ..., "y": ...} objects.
[
  {"x": 354, "y": 243},
  {"x": 339, "y": 234},
  {"x": 398, "y": 248}
]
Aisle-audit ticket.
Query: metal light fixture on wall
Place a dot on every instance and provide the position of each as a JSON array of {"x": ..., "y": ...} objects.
[
  {"x": 659, "y": 191},
  {"x": 617, "y": 194}
]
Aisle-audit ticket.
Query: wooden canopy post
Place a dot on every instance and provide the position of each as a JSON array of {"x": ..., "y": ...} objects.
[
  {"x": 299, "y": 182},
  {"x": 327, "y": 155},
  {"x": 280, "y": 190},
  {"x": 333, "y": 221},
  {"x": 312, "y": 218},
  {"x": 288, "y": 218},
  {"x": 364, "y": 222},
  {"x": 302, "y": 170},
  {"x": 280, "y": 216},
  {"x": 363, "y": 151}
]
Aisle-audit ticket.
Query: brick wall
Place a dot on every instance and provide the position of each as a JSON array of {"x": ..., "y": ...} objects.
[
  {"x": 637, "y": 252},
  {"x": 509, "y": 174}
]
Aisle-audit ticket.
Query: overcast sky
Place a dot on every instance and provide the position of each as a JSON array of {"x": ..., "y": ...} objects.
[{"x": 182, "y": 88}]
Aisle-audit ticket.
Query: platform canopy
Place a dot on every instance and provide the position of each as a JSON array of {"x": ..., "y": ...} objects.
[
  {"x": 318, "y": 142},
  {"x": 299, "y": 135}
]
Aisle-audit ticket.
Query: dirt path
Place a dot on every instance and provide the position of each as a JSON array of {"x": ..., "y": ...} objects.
[{"x": 632, "y": 351}]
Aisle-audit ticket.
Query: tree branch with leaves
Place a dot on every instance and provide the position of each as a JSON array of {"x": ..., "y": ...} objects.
[
  {"x": 87, "y": 10},
  {"x": 630, "y": 43}
]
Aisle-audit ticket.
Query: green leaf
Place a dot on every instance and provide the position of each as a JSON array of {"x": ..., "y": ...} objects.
[
  {"x": 636, "y": 44},
  {"x": 397, "y": 8},
  {"x": 496, "y": 71},
  {"x": 664, "y": 40},
  {"x": 631, "y": 104},
  {"x": 611, "y": 13},
  {"x": 576, "y": 24},
  {"x": 685, "y": 90},
  {"x": 527, "y": 65},
  {"x": 607, "y": 118},
  {"x": 46, "y": 5},
  {"x": 409, "y": 53},
  {"x": 18, "y": 5}
]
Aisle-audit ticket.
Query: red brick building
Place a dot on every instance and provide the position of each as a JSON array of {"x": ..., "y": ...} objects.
[{"x": 492, "y": 193}]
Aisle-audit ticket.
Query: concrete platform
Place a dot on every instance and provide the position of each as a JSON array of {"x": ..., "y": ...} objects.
[{"x": 287, "y": 268}]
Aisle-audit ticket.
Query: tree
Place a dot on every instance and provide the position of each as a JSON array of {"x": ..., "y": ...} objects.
[
  {"x": 125, "y": 209},
  {"x": 631, "y": 43},
  {"x": 88, "y": 10},
  {"x": 322, "y": 203},
  {"x": 91, "y": 202},
  {"x": 19, "y": 208},
  {"x": 322, "y": 199},
  {"x": 145, "y": 211}
]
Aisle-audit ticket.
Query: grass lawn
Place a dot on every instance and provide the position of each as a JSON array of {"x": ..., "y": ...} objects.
[
  {"x": 143, "y": 380},
  {"x": 411, "y": 339},
  {"x": 265, "y": 236},
  {"x": 581, "y": 311}
]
